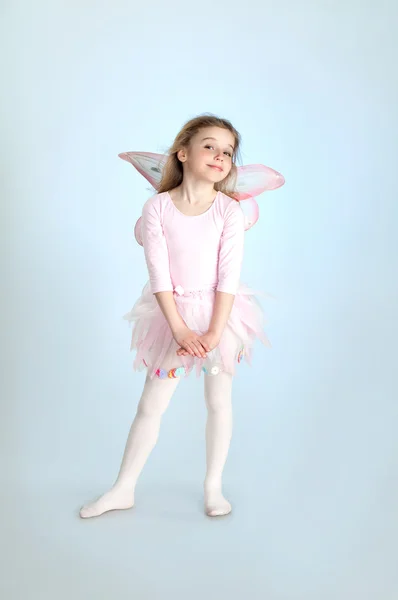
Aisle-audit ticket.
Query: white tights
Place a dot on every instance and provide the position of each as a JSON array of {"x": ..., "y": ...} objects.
[{"x": 144, "y": 434}]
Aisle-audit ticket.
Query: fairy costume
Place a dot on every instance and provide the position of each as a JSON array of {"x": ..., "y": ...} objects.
[{"x": 194, "y": 257}]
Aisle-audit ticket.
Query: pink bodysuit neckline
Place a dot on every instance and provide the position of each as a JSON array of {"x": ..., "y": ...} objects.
[{"x": 193, "y": 216}]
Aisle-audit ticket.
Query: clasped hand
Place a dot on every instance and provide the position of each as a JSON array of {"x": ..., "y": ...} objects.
[{"x": 194, "y": 344}]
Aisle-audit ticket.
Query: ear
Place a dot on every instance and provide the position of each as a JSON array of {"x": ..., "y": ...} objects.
[{"x": 182, "y": 155}]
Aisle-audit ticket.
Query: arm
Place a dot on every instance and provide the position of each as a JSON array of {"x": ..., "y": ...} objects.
[
  {"x": 221, "y": 311},
  {"x": 229, "y": 267},
  {"x": 155, "y": 249},
  {"x": 169, "y": 309}
]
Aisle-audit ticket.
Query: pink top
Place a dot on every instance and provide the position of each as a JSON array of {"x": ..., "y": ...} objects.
[{"x": 193, "y": 252}]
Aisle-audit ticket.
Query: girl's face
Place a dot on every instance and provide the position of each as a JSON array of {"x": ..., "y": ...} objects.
[{"x": 209, "y": 154}]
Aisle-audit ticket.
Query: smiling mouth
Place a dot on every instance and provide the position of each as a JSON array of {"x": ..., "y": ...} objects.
[{"x": 214, "y": 167}]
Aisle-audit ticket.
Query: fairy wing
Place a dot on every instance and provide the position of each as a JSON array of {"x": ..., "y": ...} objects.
[
  {"x": 150, "y": 165},
  {"x": 251, "y": 180}
]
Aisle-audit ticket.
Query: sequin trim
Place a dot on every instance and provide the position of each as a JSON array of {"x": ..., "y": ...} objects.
[{"x": 180, "y": 371}]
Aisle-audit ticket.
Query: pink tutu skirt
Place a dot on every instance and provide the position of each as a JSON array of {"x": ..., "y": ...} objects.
[{"x": 156, "y": 348}]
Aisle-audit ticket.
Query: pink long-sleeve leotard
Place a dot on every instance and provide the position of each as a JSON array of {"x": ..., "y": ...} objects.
[{"x": 188, "y": 253}]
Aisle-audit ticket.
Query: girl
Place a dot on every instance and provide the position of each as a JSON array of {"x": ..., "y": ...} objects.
[{"x": 193, "y": 312}]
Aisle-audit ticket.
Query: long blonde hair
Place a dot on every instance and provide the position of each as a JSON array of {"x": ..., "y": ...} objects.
[{"x": 172, "y": 173}]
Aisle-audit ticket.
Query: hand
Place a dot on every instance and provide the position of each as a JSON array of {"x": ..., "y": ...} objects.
[
  {"x": 189, "y": 342},
  {"x": 209, "y": 341}
]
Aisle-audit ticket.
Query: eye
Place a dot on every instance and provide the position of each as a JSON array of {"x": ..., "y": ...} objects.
[
  {"x": 208, "y": 146},
  {"x": 228, "y": 154}
]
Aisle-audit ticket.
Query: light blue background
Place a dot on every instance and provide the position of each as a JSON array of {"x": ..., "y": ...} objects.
[{"x": 312, "y": 471}]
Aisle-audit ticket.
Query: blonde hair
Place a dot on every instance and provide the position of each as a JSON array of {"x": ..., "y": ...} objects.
[{"x": 172, "y": 173}]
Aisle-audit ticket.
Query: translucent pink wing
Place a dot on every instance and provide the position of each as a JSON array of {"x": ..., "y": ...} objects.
[
  {"x": 150, "y": 165},
  {"x": 251, "y": 211},
  {"x": 138, "y": 232},
  {"x": 252, "y": 180}
]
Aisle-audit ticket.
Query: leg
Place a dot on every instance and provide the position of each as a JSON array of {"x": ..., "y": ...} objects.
[
  {"x": 218, "y": 396},
  {"x": 142, "y": 438}
]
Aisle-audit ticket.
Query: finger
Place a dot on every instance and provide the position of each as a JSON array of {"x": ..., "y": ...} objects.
[
  {"x": 195, "y": 349},
  {"x": 205, "y": 346},
  {"x": 188, "y": 348},
  {"x": 185, "y": 347},
  {"x": 199, "y": 348}
]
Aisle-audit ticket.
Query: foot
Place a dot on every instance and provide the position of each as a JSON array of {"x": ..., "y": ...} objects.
[
  {"x": 115, "y": 499},
  {"x": 215, "y": 503}
]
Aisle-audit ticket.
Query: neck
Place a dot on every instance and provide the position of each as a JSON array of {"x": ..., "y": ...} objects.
[{"x": 194, "y": 191}]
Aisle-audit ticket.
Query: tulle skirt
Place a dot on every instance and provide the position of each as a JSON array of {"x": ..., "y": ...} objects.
[{"x": 156, "y": 348}]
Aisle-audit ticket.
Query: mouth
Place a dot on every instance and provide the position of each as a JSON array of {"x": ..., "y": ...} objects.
[{"x": 215, "y": 167}]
